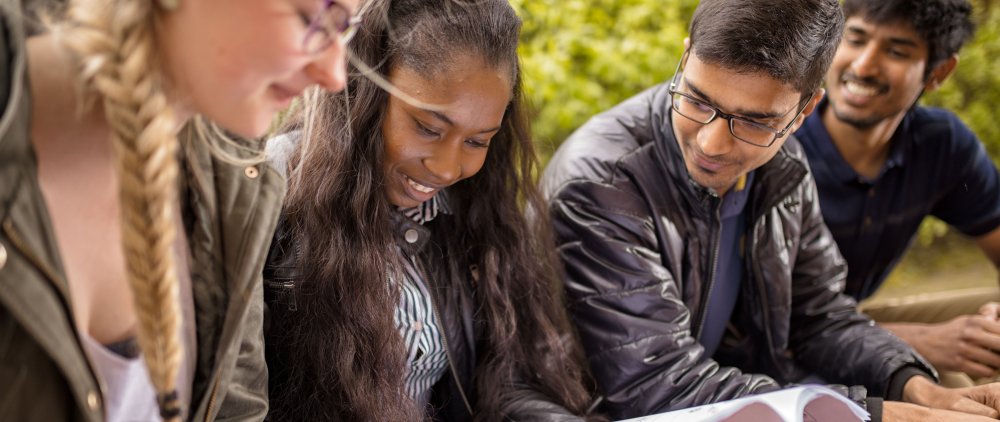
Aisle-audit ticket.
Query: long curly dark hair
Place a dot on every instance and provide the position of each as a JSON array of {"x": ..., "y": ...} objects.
[{"x": 342, "y": 351}]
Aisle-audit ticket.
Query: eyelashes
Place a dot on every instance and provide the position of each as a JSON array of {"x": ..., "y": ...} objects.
[{"x": 426, "y": 131}]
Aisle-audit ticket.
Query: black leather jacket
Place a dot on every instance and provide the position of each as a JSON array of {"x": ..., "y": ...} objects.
[{"x": 638, "y": 240}]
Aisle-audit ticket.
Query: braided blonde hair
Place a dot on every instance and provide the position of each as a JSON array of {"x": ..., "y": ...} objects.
[{"x": 114, "y": 41}]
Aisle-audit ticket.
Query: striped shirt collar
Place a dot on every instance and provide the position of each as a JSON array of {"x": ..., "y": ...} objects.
[{"x": 428, "y": 210}]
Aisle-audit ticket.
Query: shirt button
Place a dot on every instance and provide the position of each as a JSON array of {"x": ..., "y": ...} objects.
[
  {"x": 411, "y": 236},
  {"x": 3, "y": 256},
  {"x": 417, "y": 326},
  {"x": 868, "y": 221},
  {"x": 92, "y": 401},
  {"x": 871, "y": 193},
  {"x": 251, "y": 172}
]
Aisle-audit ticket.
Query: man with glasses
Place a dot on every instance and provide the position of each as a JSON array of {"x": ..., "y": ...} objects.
[
  {"x": 697, "y": 265},
  {"x": 882, "y": 163}
]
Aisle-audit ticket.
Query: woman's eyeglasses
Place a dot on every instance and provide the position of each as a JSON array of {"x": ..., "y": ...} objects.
[{"x": 333, "y": 20}]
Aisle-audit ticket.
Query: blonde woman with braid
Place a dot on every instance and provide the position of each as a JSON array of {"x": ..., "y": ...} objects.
[{"x": 130, "y": 260}]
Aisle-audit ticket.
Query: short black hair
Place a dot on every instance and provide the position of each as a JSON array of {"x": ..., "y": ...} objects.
[
  {"x": 945, "y": 25},
  {"x": 793, "y": 41}
]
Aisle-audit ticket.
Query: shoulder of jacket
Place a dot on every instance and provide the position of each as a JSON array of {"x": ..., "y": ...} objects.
[
  {"x": 603, "y": 147},
  {"x": 232, "y": 168}
]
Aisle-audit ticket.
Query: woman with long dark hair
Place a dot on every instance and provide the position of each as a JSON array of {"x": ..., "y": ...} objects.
[{"x": 405, "y": 281}]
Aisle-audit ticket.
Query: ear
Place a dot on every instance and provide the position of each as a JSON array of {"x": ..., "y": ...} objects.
[
  {"x": 941, "y": 73},
  {"x": 687, "y": 43},
  {"x": 809, "y": 108},
  {"x": 813, "y": 102}
]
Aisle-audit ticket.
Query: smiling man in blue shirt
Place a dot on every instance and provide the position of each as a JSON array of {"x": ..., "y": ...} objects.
[{"x": 883, "y": 163}]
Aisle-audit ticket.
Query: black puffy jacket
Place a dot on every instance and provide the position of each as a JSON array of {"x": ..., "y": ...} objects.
[{"x": 638, "y": 237}]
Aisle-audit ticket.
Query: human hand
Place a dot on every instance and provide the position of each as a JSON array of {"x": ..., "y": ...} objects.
[
  {"x": 990, "y": 310},
  {"x": 894, "y": 411},
  {"x": 983, "y": 400},
  {"x": 967, "y": 343}
]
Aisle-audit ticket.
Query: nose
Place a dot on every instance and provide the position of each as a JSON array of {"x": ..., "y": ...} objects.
[
  {"x": 328, "y": 69},
  {"x": 715, "y": 139},
  {"x": 445, "y": 162},
  {"x": 866, "y": 64}
]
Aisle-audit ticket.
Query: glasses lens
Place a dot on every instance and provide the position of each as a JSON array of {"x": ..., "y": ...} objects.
[
  {"x": 692, "y": 108},
  {"x": 336, "y": 18},
  {"x": 751, "y": 132},
  {"x": 316, "y": 40}
]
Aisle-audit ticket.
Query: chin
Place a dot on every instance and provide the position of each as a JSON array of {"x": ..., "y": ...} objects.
[
  {"x": 400, "y": 200},
  {"x": 856, "y": 120},
  {"x": 248, "y": 128}
]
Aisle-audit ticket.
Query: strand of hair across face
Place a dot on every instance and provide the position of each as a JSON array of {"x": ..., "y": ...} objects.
[{"x": 114, "y": 42}]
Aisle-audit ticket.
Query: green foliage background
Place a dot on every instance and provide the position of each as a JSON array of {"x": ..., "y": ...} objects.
[
  {"x": 973, "y": 91},
  {"x": 581, "y": 57}
]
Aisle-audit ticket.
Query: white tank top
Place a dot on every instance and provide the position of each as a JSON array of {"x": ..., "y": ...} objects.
[{"x": 129, "y": 395}]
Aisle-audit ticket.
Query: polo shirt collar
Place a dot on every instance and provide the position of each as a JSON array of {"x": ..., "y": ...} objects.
[{"x": 843, "y": 171}]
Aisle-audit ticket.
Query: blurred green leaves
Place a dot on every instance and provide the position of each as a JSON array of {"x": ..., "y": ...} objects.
[{"x": 582, "y": 57}]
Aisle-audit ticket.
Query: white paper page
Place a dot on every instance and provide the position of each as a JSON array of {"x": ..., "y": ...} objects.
[{"x": 778, "y": 406}]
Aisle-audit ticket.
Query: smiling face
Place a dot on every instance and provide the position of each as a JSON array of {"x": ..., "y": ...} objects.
[
  {"x": 877, "y": 73},
  {"x": 426, "y": 151},
  {"x": 238, "y": 62},
  {"x": 713, "y": 157}
]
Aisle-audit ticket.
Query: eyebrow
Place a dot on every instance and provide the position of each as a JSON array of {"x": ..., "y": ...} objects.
[
  {"x": 447, "y": 120},
  {"x": 749, "y": 114},
  {"x": 906, "y": 42}
]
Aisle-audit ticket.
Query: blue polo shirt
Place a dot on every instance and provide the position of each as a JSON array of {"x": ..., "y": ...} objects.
[
  {"x": 725, "y": 287},
  {"x": 936, "y": 166}
]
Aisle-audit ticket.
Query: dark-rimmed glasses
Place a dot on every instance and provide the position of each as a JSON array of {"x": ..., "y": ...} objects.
[
  {"x": 333, "y": 20},
  {"x": 749, "y": 131}
]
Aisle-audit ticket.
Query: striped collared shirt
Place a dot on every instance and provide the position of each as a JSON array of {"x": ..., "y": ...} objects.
[{"x": 426, "y": 355}]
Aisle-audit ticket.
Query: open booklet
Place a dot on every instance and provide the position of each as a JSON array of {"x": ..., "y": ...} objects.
[{"x": 808, "y": 403}]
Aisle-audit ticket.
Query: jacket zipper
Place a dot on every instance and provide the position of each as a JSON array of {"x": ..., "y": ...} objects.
[
  {"x": 211, "y": 399},
  {"x": 287, "y": 291},
  {"x": 51, "y": 276},
  {"x": 712, "y": 271},
  {"x": 444, "y": 339},
  {"x": 759, "y": 281}
]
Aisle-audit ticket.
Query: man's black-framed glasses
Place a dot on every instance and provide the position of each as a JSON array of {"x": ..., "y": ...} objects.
[
  {"x": 333, "y": 20},
  {"x": 749, "y": 131}
]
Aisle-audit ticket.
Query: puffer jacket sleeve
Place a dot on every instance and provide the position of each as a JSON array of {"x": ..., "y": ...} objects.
[
  {"x": 826, "y": 328},
  {"x": 529, "y": 405},
  {"x": 628, "y": 309}
]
